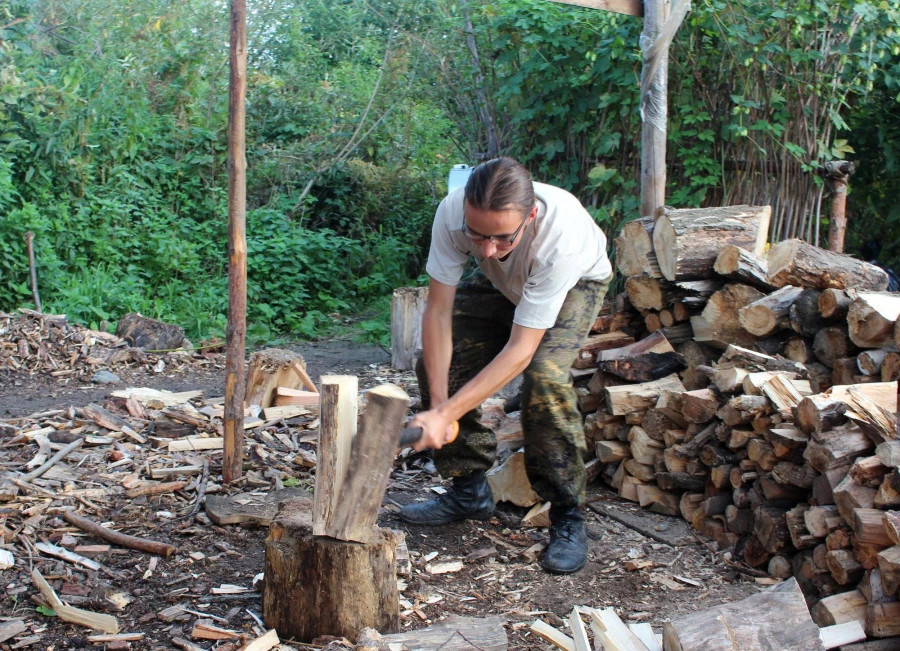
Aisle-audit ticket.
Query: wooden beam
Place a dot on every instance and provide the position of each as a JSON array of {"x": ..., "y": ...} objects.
[
  {"x": 236, "y": 330},
  {"x": 629, "y": 7}
]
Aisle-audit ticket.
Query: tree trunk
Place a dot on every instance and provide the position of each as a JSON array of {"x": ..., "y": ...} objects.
[
  {"x": 687, "y": 242},
  {"x": 407, "y": 307},
  {"x": 316, "y": 585}
]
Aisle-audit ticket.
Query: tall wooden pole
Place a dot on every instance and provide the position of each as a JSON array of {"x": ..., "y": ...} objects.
[
  {"x": 235, "y": 333},
  {"x": 654, "y": 109},
  {"x": 837, "y": 173}
]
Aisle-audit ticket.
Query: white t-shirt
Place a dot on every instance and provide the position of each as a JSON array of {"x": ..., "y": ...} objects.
[{"x": 561, "y": 246}]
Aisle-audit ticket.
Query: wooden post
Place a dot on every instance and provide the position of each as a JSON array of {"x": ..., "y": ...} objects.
[
  {"x": 654, "y": 108},
  {"x": 235, "y": 333},
  {"x": 836, "y": 174},
  {"x": 29, "y": 241}
]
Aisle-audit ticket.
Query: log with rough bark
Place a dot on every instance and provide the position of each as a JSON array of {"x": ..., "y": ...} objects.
[
  {"x": 806, "y": 319},
  {"x": 777, "y": 618},
  {"x": 687, "y": 241},
  {"x": 634, "y": 249},
  {"x": 719, "y": 323},
  {"x": 316, "y": 585},
  {"x": 740, "y": 265},
  {"x": 765, "y": 315},
  {"x": 836, "y": 447},
  {"x": 407, "y": 308},
  {"x": 798, "y": 349},
  {"x": 831, "y": 344},
  {"x": 871, "y": 318},
  {"x": 794, "y": 262},
  {"x": 870, "y": 361},
  {"x": 269, "y": 369}
]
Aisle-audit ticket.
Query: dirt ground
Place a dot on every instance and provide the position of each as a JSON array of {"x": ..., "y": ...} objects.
[{"x": 500, "y": 575}]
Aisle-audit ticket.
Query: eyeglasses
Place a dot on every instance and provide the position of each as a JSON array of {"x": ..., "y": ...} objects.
[{"x": 500, "y": 241}]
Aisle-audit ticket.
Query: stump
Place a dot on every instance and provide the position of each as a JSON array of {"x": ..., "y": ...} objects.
[
  {"x": 270, "y": 369},
  {"x": 407, "y": 307},
  {"x": 317, "y": 585}
]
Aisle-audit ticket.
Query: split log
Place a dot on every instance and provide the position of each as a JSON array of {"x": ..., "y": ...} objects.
[
  {"x": 843, "y": 566},
  {"x": 757, "y": 361},
  {"x": 355, "y": 583},
  {"x": 764, "y": 316},
  {"x": 871, "y": 319},
  {"x": 850, "y": 495},
  {"x": 634, "y": 249},
  {"x": 509, "y": 482},
  {"x": 271, "y": 368},
  {"x": 889, "y": 453},
  {"x": 890, "y": 367},
  {"x": 110, "y": 421},
  {"x": 337, "y": 429},
  {"x": 889, "y": 567},
  {"x": 719, "y": 323},
  {"x": 819, "y": 413},
  {"x": 840, "y": 608},
  {"x": 740, "y": 265},
  {"x": 699, "y": 406},
  {"x": 868, "y": 527},
  {"x": 836, "y": 447},
  {"x": 369, "y": 467},
  {"x": 883, "y": 620},
  {"x": 687, "y": 241},
  {"x": 794, "y": 262},
  {"x": 630, "y": 398},
  {"x": 775, "y": 619},
  {"x": 407, "y": 308}
]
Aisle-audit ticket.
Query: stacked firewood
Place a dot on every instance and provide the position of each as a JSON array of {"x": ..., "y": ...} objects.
[{"x": 761, "y": 407}]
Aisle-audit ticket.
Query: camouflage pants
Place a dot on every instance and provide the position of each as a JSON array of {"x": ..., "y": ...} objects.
[{"x": 551, "y": 423}]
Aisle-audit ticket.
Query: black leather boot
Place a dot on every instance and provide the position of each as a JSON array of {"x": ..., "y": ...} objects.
[
  {"x": 469, "y": 498},
  {"x": 567, "y": 551}
]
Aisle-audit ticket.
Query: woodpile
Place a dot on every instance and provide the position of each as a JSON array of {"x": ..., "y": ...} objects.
[{"x": 774, "y": 428}]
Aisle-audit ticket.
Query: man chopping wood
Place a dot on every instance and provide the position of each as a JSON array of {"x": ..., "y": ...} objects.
[{"x": 543, "y": 272}]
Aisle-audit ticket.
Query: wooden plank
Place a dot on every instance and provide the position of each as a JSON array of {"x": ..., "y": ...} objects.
[
  {"x": 840, "y": 634},
  {"x": 456, "y": 633},
  {"x": 613, "y": 633},
  {"x": 579, "y": 634},
  {"x": 97, "y": 621},
  {"x": 628, "y": 7},
  {"x": 194, "y": 443},
  {"x": 337, "y": 428}
]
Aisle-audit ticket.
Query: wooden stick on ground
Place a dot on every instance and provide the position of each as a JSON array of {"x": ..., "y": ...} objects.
[
  {"x": 132, "y": 542},
  {"x": 62, "y": 454}
]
